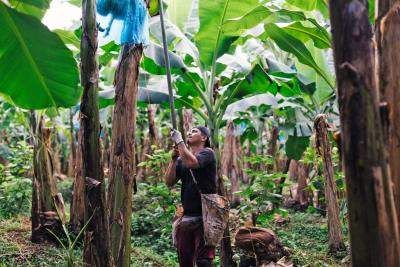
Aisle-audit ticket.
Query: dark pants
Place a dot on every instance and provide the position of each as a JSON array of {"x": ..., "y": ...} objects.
[{"x": 191, "y": 246}]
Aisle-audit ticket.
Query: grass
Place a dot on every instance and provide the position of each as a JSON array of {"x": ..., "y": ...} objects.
[{"x": 143, "y": 257}]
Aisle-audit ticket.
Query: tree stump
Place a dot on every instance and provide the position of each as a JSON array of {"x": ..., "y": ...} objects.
[{"x": 260, "y": 242}]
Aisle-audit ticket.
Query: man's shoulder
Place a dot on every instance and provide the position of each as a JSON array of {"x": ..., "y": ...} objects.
[{"x": 207, "y": 150}]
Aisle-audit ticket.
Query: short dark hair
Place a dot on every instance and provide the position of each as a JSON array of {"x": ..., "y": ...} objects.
[{"x": 206, "y": 132}]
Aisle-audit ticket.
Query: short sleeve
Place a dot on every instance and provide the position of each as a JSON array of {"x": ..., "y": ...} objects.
[{"x": 205, "y": 157}]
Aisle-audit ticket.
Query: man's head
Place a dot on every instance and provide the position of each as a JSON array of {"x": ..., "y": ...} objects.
[{"x": 199, "y": 135}]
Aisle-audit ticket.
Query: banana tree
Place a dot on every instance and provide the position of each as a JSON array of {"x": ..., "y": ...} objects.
[
  {"x": 50, "y": 75},
  {"x": 37, "y": 71},
  {"x": 208, "y": 79}
]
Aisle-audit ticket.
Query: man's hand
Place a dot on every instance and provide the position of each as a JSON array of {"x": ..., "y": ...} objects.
[{"x": 176, "y": 137}]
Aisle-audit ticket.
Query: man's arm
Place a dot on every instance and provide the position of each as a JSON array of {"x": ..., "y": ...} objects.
[
  {"x": 188, "y": 159},
  {"x": 170, "y": 175}
]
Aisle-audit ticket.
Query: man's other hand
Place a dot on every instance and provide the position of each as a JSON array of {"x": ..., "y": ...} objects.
[{"x": 176, "y": 137}]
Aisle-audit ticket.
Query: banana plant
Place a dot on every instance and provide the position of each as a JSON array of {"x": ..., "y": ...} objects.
[
  {"x": 37, "y": 69},
  {"x": 208, "y": 78}
]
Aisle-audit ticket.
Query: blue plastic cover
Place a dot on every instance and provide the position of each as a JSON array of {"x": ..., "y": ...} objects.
[{"x": 124, "y": 21}]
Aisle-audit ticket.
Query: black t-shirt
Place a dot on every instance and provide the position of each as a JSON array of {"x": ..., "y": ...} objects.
[{"x": 205, "y": 176}]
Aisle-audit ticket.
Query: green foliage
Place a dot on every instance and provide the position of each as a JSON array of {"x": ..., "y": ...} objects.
[
  {"x": 290, "y": 44},
  {"x": 153, "y": 211},
  {"x": 306, "y": 236},
  {"x": 310, "y": 5},
  {"x": 65, "y": 187},
  {"x": 260, "y": 197},
  {"x": 15, "y": 187},
  {"x": 144, "y": 256},
  {"x": 17, "y": 250},
  {"x": 25, "y": 68},
  {"x": 210, "y": 40},
  {"x": 317, "y": 179},
  {"x": 295, "y": 146},
  {"x": 36, "y": 8},
  {"x": 13, "y": 125},
  {"x": 319, "y": 37},
  {"x": 156, "y": 162},
  {"x": 72, "y": 241}
]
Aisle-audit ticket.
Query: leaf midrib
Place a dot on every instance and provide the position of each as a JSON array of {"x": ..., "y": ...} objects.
[
  {"x": 215, "y": 52},
  {"x": 308, "y": 33},
  {"x": 311, "y": 62},
  {"x": 26, "y": 51}
]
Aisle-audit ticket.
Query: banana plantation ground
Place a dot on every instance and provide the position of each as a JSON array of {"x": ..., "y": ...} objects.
[
  {"x": 304, "y": 235},
  {"x": 301, "y": 103}
]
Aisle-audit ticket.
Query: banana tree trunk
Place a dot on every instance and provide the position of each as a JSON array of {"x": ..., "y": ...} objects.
[
  {"x": 55, "y": 148},
  {"x": 229, "y": 167},
  {"x": 302, "y": 194},
  {"x": 72, "y": 156},
  {"x": 182, "y": 124},
  {"x": 96, "y": 238},
  {"x": 153, "y": 132},
  {"x": 46, "y": 201},
  {"x": 226, "y": 247},
  {"x": 272, "y": 148},
  {"x": 246, "y": 165},
  {"x": 77, "y": 219},
  {"x": 373, "y": 222},
  {"x": 388, "y": 43},
  {"x": 187, "y": 119},
  {"x": 123, "y": 153},
  {"x": 324, "y": 149},
  {"x": 142, "y": 172}
]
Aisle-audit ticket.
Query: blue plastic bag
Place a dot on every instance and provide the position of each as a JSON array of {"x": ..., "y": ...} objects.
[{"x": 127, "y": 20}]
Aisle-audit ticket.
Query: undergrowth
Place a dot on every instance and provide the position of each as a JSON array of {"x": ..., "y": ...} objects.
[{"x": 306, "y": 236}]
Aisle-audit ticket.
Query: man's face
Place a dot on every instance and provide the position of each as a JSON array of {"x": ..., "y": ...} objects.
[{"x": 195, "y": 137}]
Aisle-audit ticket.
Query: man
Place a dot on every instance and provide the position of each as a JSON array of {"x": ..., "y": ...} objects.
[{"x": 201, "y": 162}]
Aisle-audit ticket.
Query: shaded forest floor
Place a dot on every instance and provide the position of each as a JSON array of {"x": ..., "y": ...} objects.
[
  {"x": 306, "y": 237},
  {"x": 304, "y": 234},
  {"x": 17, "y": 250}
]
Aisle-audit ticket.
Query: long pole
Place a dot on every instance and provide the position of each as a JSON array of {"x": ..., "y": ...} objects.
[{"x": 166, "y": 59}]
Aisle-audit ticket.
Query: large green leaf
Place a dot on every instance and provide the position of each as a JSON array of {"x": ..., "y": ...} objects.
[
  {"x": 36, "y": 8},
  {"x": 178, "y": 11},
  {"x": 323, "y": 91},
  {"x": 37, "y": 70},
  {"x": 295, "y": 146},
  {"x": 181, "y": 44},
  {"x": 154, "y": 62},
  {"x": 252, "y": 101},
  {"x": 310, "y": 5},
  {"x": 258, "y": 14},
  {"x": 77, "y": 3},
  {"x": 304, "y": 34},
  {"x": 153, "y": 89},
  {"x": 148, "y": 96},
  {"x": 255, "y": 82},
  {"x": 210, "y": 39},
  {"x": 69, "y": 38},
  {"x": 292, "y": 45},
  {"x": 236, "y": 26},
  {"x": 192, "y": 23}
]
